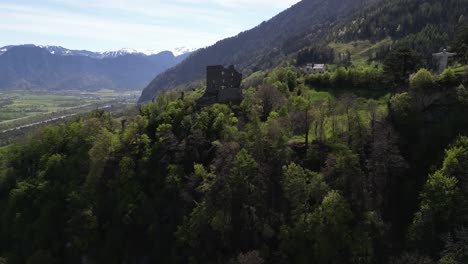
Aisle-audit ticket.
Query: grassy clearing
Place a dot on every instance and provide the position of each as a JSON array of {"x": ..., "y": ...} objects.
[
  {"x": 318, "y": 96},
  {"x": 360, "y": 50},
  {"x": 362, "y": 106},
  {"x": 460, "y": 70}
]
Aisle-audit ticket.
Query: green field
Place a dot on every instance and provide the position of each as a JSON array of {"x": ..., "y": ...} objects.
[
  {"x": 361, "y": 50},
  {"x": 21, "y": 111},
  {"x": 19, "y": 105}
]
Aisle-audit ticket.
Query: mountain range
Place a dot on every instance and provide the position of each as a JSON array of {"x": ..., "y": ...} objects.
[
  {"x": 425, "y": 25},
  {"x": 31, "y": 67}
]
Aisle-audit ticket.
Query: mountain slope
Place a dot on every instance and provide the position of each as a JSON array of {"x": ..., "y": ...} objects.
[
  {"x": 400, "y": 18},
  {"x": 425, "y": 25},
  {"x": 262, "y": 46},
  {"x": 56, "y": 68}
]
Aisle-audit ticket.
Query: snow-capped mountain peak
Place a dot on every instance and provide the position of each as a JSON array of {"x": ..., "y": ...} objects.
[
  {"x": 128, "y": 51},
  {"x": 181, "y": 51},
  {"x": 145, "y": 52},
  {"x": 61, "y": 51}
]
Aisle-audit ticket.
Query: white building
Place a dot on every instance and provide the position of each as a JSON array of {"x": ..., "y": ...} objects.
[{"x": 315, "y": 68}]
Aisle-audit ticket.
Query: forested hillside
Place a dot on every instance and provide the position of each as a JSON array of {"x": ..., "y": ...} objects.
[
  {"x": 328, "y": 32},
  {"x": 262, "y": 47},
  {"x": 323, "y": 168},
  {"x": 425, "y": 26}
]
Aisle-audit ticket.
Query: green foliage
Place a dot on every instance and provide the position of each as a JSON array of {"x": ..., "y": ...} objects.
[
  {"x": 456, "y": 158},
  {"x": 283, "y": 77},
  {"x": 401, "y": 104},
  {"x": 462, "y": 94},
  {"x": 421, "y": 82},
  {"x": 338, "y": 78},
  {"x": 344, "y": 173},
  {"x": 316, "y": 54},
  {"x": 332, "y": 223},
  {"x": 447, "y": 260},
  {"x": 460, "y": 45},
  {"x": 448, "y": 78},
  {"x": 362, "y": 51},
  {"x": 303, "y": 189},
  {"x": 441, "y": 198},
  {"x": 421, "y": 25},
  {"x": 369, "y": 76},
  {"x": 291, "y": 175},
  {"x": 254, "y": 80},
  {"x": 437, "y": 202},
  {"x": 322, "y": 236},
  {"x": 426, "y": 41},
  {"x": 399, "y": 64}
]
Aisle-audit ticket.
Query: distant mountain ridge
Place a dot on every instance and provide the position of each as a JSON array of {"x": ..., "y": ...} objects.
[
  {"x": 58, "y": 50},
  {"x": 34, "y": 67}
]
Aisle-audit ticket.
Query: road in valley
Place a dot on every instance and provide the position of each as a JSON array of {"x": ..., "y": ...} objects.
[{"x": 47, "y": 121}]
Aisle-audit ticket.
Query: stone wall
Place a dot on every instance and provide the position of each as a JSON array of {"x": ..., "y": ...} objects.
[{"x": 223, "y": 85}]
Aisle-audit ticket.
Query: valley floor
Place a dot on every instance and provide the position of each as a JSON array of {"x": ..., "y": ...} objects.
[{"x": 21, "y": 110}]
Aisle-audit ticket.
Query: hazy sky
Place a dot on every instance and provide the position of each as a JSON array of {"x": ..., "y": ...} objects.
[{"x": 102, "y": 25}]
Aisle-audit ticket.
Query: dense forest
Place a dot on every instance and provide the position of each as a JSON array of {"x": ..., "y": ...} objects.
[
  {"x": 357, "y": 165},
  {"x": 425, "y": 26}
]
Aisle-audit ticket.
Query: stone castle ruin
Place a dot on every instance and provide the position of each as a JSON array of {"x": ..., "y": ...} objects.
[{"x": 223, "y": 85}]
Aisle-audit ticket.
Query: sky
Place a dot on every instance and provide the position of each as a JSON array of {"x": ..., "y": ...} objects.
[{"x": 107, "y": 25}]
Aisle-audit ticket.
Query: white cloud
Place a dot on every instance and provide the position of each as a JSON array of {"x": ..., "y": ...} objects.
[
  {"x": 244, "y": 3},
  {"x": 130, "y": 4},
  {"x": 154, "y": 24}
]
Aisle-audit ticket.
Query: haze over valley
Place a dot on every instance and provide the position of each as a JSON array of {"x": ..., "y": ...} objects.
[{"x": 30, "y": 67}]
